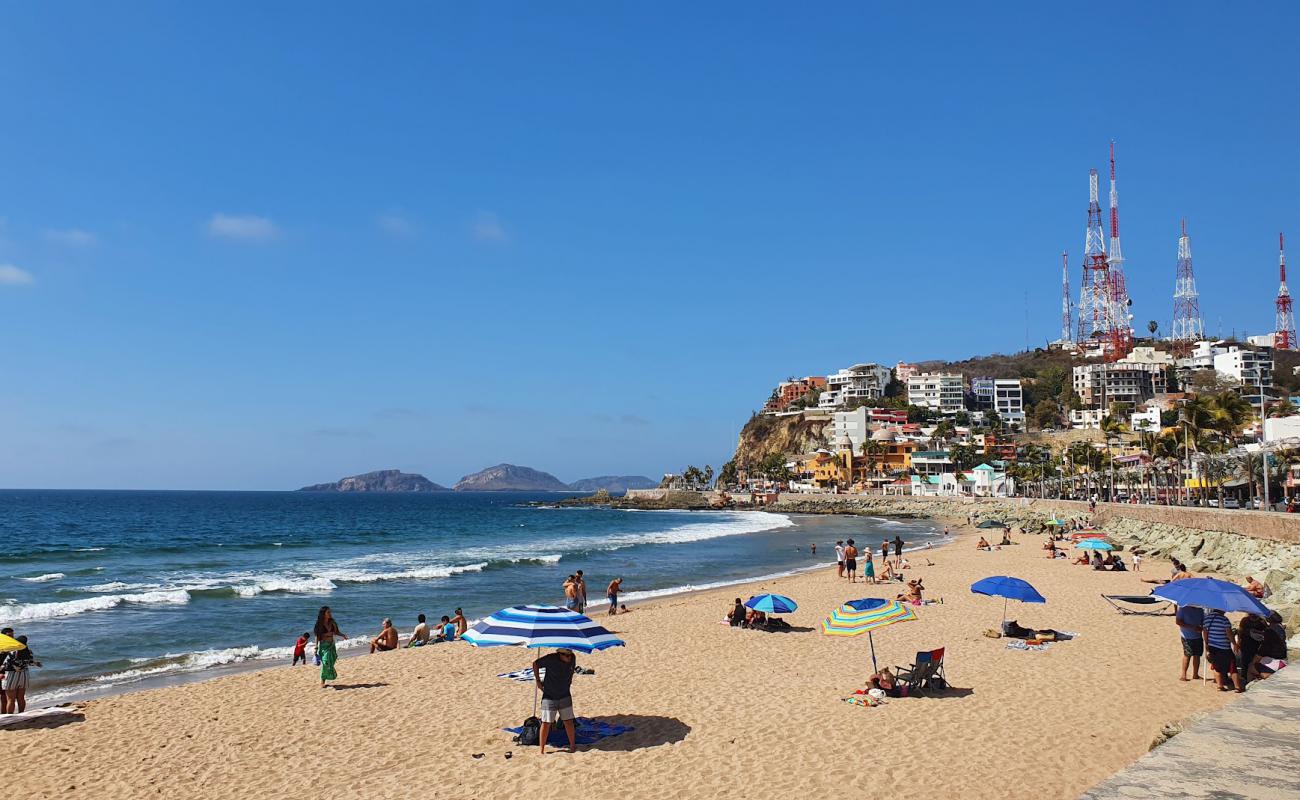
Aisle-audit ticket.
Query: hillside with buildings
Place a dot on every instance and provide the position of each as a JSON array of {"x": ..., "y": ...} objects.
[{"x": 1164, "y": 419}]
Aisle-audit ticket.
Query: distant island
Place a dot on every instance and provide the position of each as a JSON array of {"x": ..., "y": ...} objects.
[
  {"x": 384, "y": 480},
  {"x": 509, "y": 477},
  {"x": 614, "y": 484}
]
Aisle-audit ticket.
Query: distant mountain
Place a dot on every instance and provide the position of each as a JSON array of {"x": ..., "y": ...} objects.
[
  {"x": 385, "y": 480},
  {"x": 614, "y": 484},
  {"x": 508, "y": 477}
]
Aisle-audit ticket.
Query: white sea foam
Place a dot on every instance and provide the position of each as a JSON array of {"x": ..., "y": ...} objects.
[
  {"x": 89, "y": 549},
  {"x": 49, "y": 576},
  {"x": 289, "y": 585},
  {"x": 20, "y": 612},
  {"x": 119, "y": 586},
  {"x": 416, "y": 573}
]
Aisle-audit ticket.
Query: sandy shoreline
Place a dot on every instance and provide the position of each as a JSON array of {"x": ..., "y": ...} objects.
[{"x": 718, "y": 712}]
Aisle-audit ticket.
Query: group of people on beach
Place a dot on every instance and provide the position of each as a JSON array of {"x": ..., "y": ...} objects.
[
  {"x": 13, "y": 675},
  {"x": 575, "y": 594},
  {"x": 1235, "y": 656},
  {"x": 846, "y": 561},
  {"x": 326, "y": 632}
]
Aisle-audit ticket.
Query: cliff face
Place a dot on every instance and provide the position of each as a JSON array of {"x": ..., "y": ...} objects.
[
  {"x": 384, "y": 480},
  {"x": 791, "y": 435},
  {"x": 508, "y": 477},
  {"x": 616, "y": 484}
]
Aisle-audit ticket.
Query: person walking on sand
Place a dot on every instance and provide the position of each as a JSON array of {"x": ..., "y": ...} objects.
[
  {"x": 15, "y": 666},
  {"x": 898, "y": 551},
  {"x": 326, "y": 630},
  {"x": 557, "y": 697},
  {"x": 611, "y": 594},
  {"x": 1190, "y": 621},
  {"x": 851, "y": 561},
  {"x": 582, "y": 593},
  {"x": 884, "y": 550},
  {"x": 868, "y": 567},
  {"x": 300, "y": 649},
  {"x": 571, "y": 593},
  {"x": 839, "y": 558}
]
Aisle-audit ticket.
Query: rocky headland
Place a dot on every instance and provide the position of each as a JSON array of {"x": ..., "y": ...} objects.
[{"x": 384, "y": 480}]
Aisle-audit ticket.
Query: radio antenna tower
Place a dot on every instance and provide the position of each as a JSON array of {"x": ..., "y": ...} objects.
[
  {"x": 1284, "y": 337},
  {"x": 1121, "y": 332},
  {"x": 1188, "y": 326},
  {"x": 1096, "y": 309},
  {"x": 1066, "y": 327}
]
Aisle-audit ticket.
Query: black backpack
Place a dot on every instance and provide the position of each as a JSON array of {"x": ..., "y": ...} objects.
[{"x": 532, "y": 732}]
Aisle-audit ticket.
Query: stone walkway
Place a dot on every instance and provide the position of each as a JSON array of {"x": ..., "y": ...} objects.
[{"x": 1248, "y": 750}]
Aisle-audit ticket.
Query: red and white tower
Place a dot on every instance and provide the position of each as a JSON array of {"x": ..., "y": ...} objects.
[
  {"x": 1097, "y": 307},
  {"x": 1188, "y": 326},
  {"x": 1066, "y": 327},
  {"x": 1284, "y": 336},
  {"x": 1121, "y": 333}
]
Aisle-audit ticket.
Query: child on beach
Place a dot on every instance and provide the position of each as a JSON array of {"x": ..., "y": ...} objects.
[{"x": 300, "y": 649}]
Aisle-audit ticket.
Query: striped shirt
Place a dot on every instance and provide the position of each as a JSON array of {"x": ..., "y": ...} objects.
[{"x": 1217, "y": 628}]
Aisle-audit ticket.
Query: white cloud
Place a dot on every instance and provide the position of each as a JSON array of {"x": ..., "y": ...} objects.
[
  {"x": 242, "y": 227},
  {"x": 72, "y": 237},
  {"x": 13, "y": 276},
  {"x": 396, "y": 225},
  {"x": 487, "y": 228}
]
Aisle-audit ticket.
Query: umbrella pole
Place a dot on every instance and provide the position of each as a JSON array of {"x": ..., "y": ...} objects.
[
  {"x": 1004, "y": 610},
  {"x": 872, "y": 640}
]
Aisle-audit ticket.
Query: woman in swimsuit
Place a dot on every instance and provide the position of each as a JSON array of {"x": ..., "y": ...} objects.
[{"x": 326, "y": 629}]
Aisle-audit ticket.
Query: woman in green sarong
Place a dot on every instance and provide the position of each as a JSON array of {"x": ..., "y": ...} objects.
[{"x": 326, "y": 629}]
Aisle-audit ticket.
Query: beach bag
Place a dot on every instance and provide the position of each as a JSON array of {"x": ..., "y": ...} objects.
[
  {"x": 532, "y": 732},
  {"x": 316, "y": 657}
]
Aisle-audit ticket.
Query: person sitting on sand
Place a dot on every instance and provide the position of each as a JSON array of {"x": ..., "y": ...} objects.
[
  {"x": 1097, "y": 562},
  {"x": 1255, "y": 588},
  {"x": 913, "y": 593},
  {"x": 386, "y": 640},
  {"x": 886, "y": 570},
  {"x": 1082, "y": 559},
  {"x": 462, "y": 625},
  {"x": 419, "y": 636},
  {"x": 447, "y": 631},
  {"x": 885, "y": 681},
  {"x": 738, "y": 614},
  {"x": 983, "y": 544}
]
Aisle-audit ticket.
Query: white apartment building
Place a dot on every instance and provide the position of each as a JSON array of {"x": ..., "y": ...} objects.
[
  {"x": 1002, "y": 395},
  {"x": 858, "y": 382},
  {"x": 1099, "y": 385},
  {"x": 904, "y": 370},
  {"x": 850, "y": 425},
  {"x": 938, "y": 391},
  {"x": 1147, "y": 421},
  {"x": 1250, "y": 368},
  {"x": 1146, "y": 354}
]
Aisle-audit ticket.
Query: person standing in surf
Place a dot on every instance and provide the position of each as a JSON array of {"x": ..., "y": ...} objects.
[{"x": 326, "y": 630}]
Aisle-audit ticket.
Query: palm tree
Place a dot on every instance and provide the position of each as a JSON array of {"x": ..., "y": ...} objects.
[
  {"x": 870, "y": 450},
  {"x": 1153, "y": 326}
]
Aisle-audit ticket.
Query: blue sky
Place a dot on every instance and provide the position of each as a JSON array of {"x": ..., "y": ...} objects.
[{"x": 253, "y": 247}]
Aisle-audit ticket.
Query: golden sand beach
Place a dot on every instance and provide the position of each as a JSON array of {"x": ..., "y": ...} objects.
[{"x": 718, "y": 712}]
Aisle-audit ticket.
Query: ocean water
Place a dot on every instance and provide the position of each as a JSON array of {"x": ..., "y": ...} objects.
[{"x": 126, "y": 589}]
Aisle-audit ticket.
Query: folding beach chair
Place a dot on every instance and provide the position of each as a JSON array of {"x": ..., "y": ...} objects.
[
  {"x": 926, "y": 672},
  {"x": 1154, "y": 606}
]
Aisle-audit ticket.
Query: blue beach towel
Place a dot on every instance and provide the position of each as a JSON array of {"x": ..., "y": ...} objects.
[
  {"x": 586, "y": 731},
  {"x": 524, "y": 675}
]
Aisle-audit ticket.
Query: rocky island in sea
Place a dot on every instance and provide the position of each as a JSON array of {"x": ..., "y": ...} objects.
[
  {"x": 614, "y": 484},
  {"x": 384, "y": 480},
  {"x": 508, "y": 478}
]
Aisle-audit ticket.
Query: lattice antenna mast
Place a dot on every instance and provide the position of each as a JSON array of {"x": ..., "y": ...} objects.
[
  {"x": 1284, "y": 338},
  {"x": 1066, "y": 327},
  {"x": 1121, "y": 332},
  {"x": 1188, "y": 326},
  {"x": 1095, "y": 306}
]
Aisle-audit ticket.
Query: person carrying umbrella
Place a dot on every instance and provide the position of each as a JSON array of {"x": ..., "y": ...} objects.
[{"x": 557, "y": 698}]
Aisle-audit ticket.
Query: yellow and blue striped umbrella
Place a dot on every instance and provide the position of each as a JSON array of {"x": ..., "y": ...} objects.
[{"x": 857, "y": 617}]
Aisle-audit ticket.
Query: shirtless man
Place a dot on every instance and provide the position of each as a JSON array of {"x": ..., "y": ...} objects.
[
  {"x": 611, "y": 594},
  {"x": 571, "y": 593},
  {"x": 460, "y": 622},
  {"x": 386, "y": 640},
  {"x": 581, "y": 593},
  {"x": 851, "y": 561}
]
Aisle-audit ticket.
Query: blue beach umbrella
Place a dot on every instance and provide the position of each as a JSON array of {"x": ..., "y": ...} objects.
[
  {"x": 1211, "y": 593},
  {"x": 1009, "y": 588},
  {"x": 1093, "y": 544},
  {"x": 772, "y": 604}
]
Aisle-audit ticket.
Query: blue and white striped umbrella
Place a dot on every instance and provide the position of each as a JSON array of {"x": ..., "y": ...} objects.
[{"x": 541, "y": 626}]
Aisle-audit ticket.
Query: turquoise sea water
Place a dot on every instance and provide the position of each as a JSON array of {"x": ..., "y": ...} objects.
[{"x": 121, "y": 589}]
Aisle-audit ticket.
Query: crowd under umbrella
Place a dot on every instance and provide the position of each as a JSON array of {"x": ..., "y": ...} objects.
[
  {"x": 541, "y": 626},
  {"x": 772, "y": 604},
  {"x": 1094, "y": 544},
  {"x": 1009, "y": 589},
  {"x": 1211, "y": 593},
  {"x": 857, "y": 617}
]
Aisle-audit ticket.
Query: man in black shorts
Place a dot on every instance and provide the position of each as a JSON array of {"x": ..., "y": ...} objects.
[
  {"x": 1190, "y": 621},
  {"x": 851, "y": 561},
  {"x": 898, "y": 551}
]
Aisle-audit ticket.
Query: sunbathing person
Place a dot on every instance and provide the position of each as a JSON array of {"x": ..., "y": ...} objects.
[
  {"x": 886, "y": 570},
  {"x": 386, "y": 640},
  {"x": 983, "y": 544},
  {"x": 1255, "y": 588},
  {"x": 885, "y": 681},
  {"x": 1082, "y": 559},
  {"x": 738, "y": 614}
]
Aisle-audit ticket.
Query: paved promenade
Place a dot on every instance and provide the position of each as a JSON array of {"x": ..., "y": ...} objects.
[{"x": 1249, "y": 750}]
